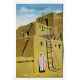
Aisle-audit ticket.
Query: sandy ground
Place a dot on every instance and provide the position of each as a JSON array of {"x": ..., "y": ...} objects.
[{"x": 26, "y": 70}]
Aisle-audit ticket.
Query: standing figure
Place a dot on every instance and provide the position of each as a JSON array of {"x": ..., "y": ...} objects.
[{"x": 42, "y": 63}]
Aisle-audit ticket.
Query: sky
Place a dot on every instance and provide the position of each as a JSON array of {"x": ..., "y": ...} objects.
[{"x": 26, "y": 13}]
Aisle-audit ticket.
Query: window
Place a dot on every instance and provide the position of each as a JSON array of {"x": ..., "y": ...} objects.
[
  {"x": 55, "y": 45},
  {"x": 28, "y": 33},
  {"x": 54, "y": 38},
  {"x": 42, "y": 28},
  {"x": 46, "y": 21},
  {"x": 59, "y": 45},
  {"x": 41, "y": 43}
]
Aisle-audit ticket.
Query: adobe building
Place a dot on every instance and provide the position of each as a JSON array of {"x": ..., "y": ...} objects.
[
  {"x": 24, "y": 36},
  {"x": 33, "y": 43},
  {"x": 43, "y": 35},
  {"x": 55, "y": 20}
]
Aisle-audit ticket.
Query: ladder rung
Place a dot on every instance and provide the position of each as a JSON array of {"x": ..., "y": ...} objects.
[
  {"x": 48, "y": 41},
  {"x": 50, "y": 57},
  {"x": 49, "y": 44},
  {"x": 49, "y": 50},
  {"x": 49, "y": 47},
  {"x": 50, "y": 61},
  {"x": 50, "y": 65}
]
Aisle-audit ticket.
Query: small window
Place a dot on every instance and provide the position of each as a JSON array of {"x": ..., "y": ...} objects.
[
  {"x": 42, "y": 28},
  {"x": 54, "y": 38},
  {"x": 46, "y": 21},
  {"x": 55, "y": 45},
  {"x": 59, "y": 45},
  {"x": 41, "y": 43},
  {"x": 23, "y": 34},
  {"x": 27, "y": 33}
]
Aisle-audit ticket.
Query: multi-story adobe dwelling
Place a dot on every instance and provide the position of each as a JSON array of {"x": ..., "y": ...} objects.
[{"x": 44, "y": 35}]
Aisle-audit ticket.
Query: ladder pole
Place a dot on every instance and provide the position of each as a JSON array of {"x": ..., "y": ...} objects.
[{"x": 49, "y": 55}]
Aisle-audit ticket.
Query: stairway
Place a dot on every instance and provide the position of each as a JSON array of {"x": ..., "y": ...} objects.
[{"x": 49, "y": 55}]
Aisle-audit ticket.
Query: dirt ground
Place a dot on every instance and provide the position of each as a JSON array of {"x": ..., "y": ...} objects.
[{"x": 25, "y": 69}]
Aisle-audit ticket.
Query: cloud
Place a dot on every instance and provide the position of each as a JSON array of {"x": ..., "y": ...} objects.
[
  {"x": 49, "y": 10},
  {"x": 24, "y": 10},
  {"x": 25, "y": 16},
  {"x": 24, "y": 19}
]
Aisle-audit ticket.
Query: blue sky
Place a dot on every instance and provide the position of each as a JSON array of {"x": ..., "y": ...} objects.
[{"x": 26, "y": 13}]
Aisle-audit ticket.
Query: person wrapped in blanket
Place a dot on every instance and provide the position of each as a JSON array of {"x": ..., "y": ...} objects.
[{"x": 42, "y": 62}]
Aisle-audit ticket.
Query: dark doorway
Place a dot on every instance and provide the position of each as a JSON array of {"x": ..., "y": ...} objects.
[{"x": 46, "y": 21}]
